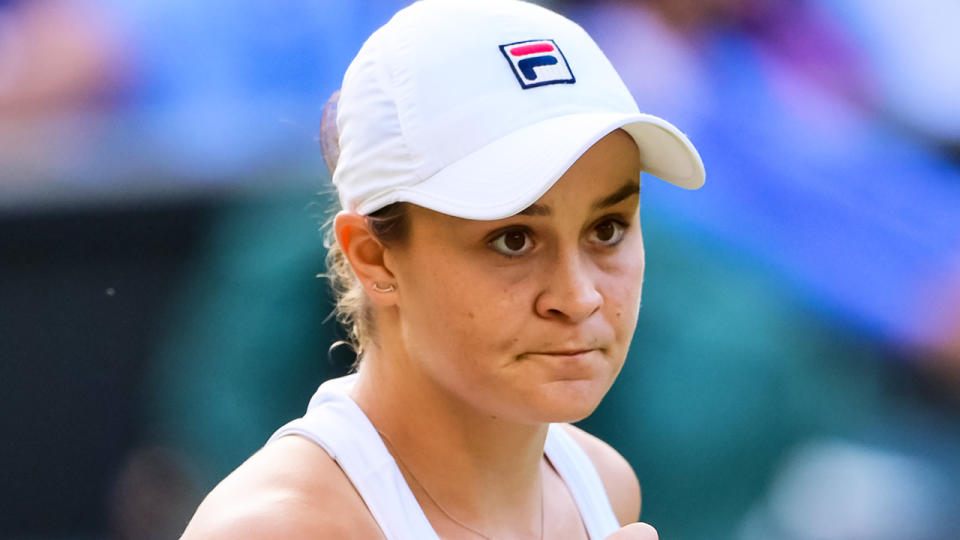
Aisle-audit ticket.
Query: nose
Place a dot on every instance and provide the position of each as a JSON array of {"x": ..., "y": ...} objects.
[{"x": 570, "y": 291}]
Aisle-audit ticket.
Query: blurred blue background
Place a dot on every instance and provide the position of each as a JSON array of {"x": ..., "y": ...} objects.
[{"x": 796, "y": 369}]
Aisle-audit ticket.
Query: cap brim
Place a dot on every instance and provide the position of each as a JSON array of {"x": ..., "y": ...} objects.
[{"x": 511, "y": 173}]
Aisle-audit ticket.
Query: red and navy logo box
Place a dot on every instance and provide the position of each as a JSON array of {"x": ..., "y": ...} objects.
[{"x": 538, "y": 62}]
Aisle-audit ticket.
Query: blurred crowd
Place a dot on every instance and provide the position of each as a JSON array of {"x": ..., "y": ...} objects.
[{"x": 796, "y": 372}]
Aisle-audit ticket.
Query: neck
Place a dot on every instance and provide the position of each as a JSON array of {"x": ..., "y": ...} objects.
[{"x": 482, "y": 471}]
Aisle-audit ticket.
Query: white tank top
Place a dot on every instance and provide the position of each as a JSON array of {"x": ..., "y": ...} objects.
[{"x": 336, "y": 423}]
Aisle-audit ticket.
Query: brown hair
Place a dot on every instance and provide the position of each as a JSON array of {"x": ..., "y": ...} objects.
[{"x": 390, "y": 225}]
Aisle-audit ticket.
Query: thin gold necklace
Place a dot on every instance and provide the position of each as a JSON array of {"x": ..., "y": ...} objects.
[{"x": 396, "y": 456}]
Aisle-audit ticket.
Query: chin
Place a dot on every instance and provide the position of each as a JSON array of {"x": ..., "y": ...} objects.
[{"x": 571, "y": 401}]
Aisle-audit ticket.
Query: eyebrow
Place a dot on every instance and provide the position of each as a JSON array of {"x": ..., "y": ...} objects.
[{"x": 626, "y": 191}]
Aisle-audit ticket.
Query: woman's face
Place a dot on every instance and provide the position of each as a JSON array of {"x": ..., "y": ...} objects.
[{"x": 528, "y": 318}]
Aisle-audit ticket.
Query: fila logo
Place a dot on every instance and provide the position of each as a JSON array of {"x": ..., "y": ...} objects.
[{"x": 538, "y": 62}]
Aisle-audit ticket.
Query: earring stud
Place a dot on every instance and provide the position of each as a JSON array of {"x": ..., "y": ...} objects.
[{"x": 381, "y": 289}]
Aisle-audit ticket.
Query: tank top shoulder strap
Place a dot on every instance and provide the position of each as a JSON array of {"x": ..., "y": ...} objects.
[
  {"x": 336, "y": 423},
  {"x": 582, "y": 479}
]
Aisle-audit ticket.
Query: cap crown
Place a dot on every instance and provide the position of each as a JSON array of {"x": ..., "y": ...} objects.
[{"x": 444, "y": 78}]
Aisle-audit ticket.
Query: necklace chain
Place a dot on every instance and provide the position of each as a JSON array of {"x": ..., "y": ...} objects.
[{"x": 400, "y": 461}]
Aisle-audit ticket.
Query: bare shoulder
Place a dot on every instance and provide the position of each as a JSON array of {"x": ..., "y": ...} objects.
[
  {"x": 617, "y": 475},
  {"x": 289, "y": 489}
]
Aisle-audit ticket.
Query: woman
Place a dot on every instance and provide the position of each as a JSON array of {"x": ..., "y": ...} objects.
[{"x": 489, "y": 261}]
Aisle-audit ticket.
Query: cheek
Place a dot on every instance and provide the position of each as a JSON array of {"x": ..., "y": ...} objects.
[
  {"x": 497, "y": 313},
  {"x": 624, "y": 307},
  {"x": 463, "y": 308},
  {"x": 622, "y": 290}
]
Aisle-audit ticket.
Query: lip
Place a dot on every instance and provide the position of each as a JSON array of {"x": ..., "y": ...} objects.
[
  {"x": 565, "y": 356},
  {"x": 565, "y": 353},
  {"x": 568, "y": 364}
]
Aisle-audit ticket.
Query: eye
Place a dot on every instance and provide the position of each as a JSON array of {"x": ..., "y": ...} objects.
[
  {"x": 512, "y": 243},
  {"x": 608, "y": 233}
]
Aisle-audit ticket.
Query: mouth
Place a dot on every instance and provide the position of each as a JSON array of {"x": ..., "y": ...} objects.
[
  {"x": 564, "y": 353},
  {"x": 568, "y": 364},
  {"x": 565, "y": 356}
]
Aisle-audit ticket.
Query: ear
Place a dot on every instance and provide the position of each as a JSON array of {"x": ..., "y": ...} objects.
[{"x": 366, "y": 256}]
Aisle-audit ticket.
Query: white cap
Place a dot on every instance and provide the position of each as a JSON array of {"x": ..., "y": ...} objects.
[{"x": 475, "y": 108}]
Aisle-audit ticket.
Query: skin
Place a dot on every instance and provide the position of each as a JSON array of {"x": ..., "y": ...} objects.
[{"x": 493, "y": 330}]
